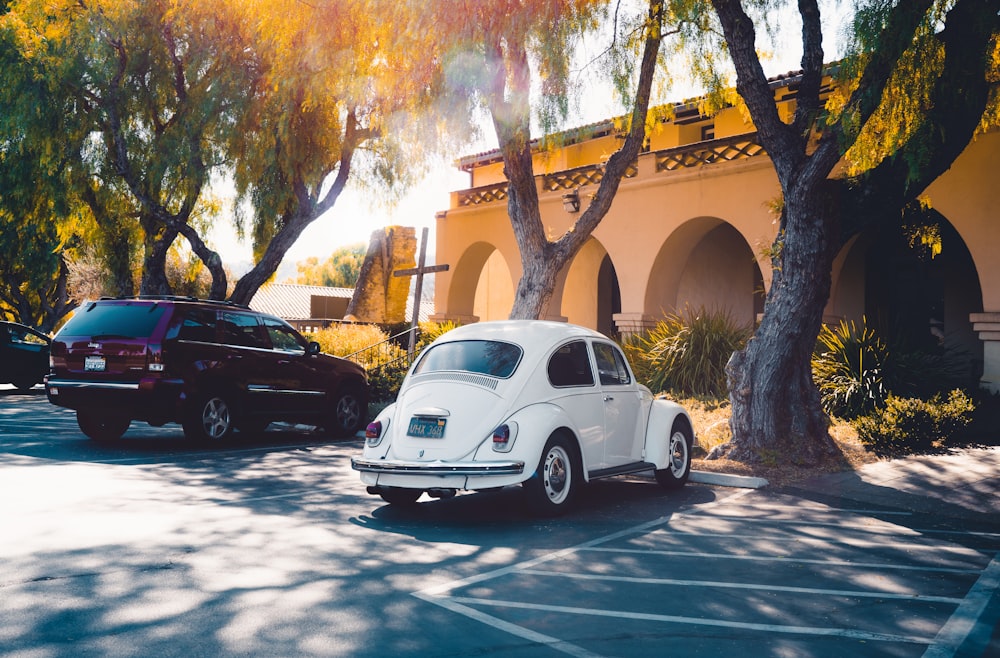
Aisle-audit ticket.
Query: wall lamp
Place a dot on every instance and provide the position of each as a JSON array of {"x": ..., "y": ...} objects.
[{"x": 571, "y": 201}]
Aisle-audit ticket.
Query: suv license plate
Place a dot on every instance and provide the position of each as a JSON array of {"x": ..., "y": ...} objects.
[
  {"x": 94, "y": 364},
  {"x": 426, "y": 428}
]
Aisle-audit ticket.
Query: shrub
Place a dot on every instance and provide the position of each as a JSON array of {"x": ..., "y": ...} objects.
[
  {"x": 687, "y": 353},
  {"x": 386, "y": 362},
  {"x": 909, "y": 425},
  {"x": 849, "y": 369}
]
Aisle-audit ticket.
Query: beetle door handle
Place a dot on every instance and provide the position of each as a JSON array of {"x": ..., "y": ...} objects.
[{"x": 608, "y": 398}]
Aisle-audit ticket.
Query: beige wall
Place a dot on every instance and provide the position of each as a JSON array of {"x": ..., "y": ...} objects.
[{"x": 698, "y": 237}]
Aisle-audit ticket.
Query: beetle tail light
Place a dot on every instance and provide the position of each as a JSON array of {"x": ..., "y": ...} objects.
[
  {"x": 373, "y": 433},
  {"x": 503, "y": 437}
]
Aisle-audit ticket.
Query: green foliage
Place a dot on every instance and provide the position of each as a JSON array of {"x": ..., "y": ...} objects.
[
  {"x": 910, "y": 425},
  {"x": 849, "y": 369},
  {"x": 856, "y": 369},
  {"x": 340, "y": 270},
  {"x": 687, "y": 353}
]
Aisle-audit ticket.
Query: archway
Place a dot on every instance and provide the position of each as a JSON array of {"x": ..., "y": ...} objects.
[
  {"x": 590, "y": 294},
  {"x": 707, "y": 263},
  {"x": 918, "y": 284},
  {"x": 480, "y": 285}
]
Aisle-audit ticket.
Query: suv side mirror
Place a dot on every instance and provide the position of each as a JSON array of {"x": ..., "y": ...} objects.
[{"x": 313, "y": 348}]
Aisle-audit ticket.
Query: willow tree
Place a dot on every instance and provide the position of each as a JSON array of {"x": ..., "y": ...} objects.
[
  {"x": 344, "y": 97},
  {"x": 913, "y": 94},
  {"x": 514, "y": 58}
]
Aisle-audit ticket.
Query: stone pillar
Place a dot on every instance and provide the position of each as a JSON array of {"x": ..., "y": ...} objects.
[
  {"x": 988, "y": 327},
  {"x": 379, "y": 296}
]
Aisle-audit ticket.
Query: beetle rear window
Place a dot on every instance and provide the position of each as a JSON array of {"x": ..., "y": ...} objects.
[
  {"x": 114, "y": 320},
  {"x": 485, "y": 357}
]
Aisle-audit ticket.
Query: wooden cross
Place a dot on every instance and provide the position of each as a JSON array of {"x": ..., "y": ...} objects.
[{"x": 419, "y": 271}]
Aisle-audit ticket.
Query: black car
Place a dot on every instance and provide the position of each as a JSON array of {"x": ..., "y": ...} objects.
[
  {"x": 24, "y": 355},
  {"x": 211, "y": 366}
]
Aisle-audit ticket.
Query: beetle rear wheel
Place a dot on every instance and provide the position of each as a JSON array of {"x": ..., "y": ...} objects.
[
  {"x": 552, "y": 489},
  {"x": 399, "y": 496}
]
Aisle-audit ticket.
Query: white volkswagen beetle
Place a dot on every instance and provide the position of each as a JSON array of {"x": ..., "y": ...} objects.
[{"x": 543, "y": 404}]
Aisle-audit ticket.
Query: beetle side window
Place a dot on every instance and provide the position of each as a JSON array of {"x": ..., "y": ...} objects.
[
  {"x": 611, "y": 365},
  {"x": 570, "y": 366}
]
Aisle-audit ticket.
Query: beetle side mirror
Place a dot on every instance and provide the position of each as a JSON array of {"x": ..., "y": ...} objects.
[{"x": 313, "y": 348}]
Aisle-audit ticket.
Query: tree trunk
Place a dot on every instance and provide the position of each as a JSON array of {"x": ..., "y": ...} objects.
[
  {"x": 777, "y": 413},
  {"x": 154, "y": 264}
]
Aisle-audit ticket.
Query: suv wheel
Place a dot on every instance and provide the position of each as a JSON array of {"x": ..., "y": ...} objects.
[
  {"x": 101, "y": 427},
  {"x": 210, "y": 418},
  {"x": 350, "y": 410}
]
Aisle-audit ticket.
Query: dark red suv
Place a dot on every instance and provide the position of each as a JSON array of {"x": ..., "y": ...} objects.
[{"x": 210, "y": 366}]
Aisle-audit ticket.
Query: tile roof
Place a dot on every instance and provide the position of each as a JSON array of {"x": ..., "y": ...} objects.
[{"x": 294, "y": 302}]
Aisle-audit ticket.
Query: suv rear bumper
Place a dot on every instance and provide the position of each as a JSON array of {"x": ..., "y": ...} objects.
[{"x": 145, "y": 399}]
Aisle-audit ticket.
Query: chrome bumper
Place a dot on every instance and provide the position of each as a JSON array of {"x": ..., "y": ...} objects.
[{"x": 437, "y": 467}]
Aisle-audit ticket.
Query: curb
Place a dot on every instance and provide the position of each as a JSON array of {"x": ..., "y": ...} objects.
[{"x": 727, "y": 480}]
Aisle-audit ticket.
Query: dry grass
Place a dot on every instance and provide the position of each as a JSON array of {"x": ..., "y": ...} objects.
[{"x": 711, "y": 427}]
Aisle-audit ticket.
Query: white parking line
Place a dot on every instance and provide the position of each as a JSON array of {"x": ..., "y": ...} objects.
[
  {"x": 766, "y": 587},
  {"x": 784, "y": 559},
  {"x": 698, "y": 621},
  {"x": 953, "y": 634},
  {"x": 966, "y": 618}
]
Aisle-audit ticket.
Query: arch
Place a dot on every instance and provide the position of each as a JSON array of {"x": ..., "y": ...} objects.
[
  {"x": 480, "y": 286},
  {"x": 589, "y": 295},
  {"x": 910, "y": 292},
  {"x": 706, "y": 262}
]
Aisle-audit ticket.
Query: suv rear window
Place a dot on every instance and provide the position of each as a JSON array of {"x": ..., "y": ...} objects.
[
  {"x": 115, "y": 320},
  {"x": 487, "y": 357}
]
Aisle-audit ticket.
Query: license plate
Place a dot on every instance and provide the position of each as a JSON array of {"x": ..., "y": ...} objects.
[
  {"x": 94, "y": 363},
  {"x": 426, "y": 428}
]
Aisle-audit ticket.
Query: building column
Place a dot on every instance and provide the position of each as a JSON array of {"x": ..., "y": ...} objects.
[
  {"x": 634, "y": 323},
  {"x": 988, "y": 327}
]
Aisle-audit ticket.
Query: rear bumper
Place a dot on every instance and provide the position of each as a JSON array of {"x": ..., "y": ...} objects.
[
  {"x": 467, "y": 469},
  {"x": 145, "y": 399}
]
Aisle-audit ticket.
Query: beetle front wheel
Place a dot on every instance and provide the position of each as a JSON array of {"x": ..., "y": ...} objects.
[{"x": 678, "y": 466}]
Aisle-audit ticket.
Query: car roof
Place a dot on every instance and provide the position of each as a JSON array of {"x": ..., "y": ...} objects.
[{"x": 529, "y": 334}]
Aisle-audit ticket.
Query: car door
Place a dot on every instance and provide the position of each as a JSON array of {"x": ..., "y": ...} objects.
[
  {"x": 299, "y": 386},
  {"x": 571, "y": 374},
  {"x": 622, "y": 403}
]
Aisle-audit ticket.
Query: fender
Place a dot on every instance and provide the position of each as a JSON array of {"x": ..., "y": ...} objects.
[
  {"x": 535, "y": 424},
  {"x": 662, "y": 415}
]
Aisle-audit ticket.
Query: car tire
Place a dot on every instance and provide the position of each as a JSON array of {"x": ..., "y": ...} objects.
[
  {"x": 102, "y": 427},
  {"x": 679, "y": 458},
  {"x": 552, "y": 489},
  {"x": 350, "y": 411},
  {"x": 24, "y": 385},
  {"x": 210, "y": 418},
  {"x": 400, "y": 496}
]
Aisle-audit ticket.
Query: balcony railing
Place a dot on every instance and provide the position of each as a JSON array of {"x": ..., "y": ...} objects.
[
  {"x": 726, "y": 149},
  {"x": 706, "y": 153}
]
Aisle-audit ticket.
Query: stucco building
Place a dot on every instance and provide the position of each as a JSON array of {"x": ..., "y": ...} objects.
[{"x": 691, "y": 225}]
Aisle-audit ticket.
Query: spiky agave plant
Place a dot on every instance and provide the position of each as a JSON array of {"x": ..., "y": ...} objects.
[
  {"x": 849, "y": 367},
  {"x": 687, "y": 352}
]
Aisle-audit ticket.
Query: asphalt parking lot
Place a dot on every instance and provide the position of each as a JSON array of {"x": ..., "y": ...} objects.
[{"x": 270, "y": 546}]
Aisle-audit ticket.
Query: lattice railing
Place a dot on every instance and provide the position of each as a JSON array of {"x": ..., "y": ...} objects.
[
  {"x": 484, "y": 194},
  {"x": 705, "y": 153},
  {"x": 683, "y": 157},
  {"x": 574, "y": 178}
]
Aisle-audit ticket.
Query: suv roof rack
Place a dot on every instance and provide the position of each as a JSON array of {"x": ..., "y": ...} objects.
[{"x": 180, "y": 298}]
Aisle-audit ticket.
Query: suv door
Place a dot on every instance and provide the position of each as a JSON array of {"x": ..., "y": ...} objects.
[{"x": 300, "y": 385}]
